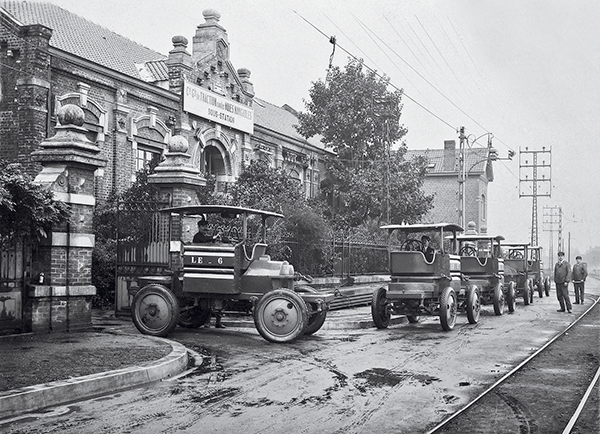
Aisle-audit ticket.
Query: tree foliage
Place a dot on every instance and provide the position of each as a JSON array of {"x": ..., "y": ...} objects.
[
  {"x": 26, "y": 209},
  {"x": 359, "y": 119},
  {"x": 261, "y": 186}
]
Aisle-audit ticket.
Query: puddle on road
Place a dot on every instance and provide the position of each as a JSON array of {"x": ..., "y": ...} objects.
[{"x": 378, "y": 377}]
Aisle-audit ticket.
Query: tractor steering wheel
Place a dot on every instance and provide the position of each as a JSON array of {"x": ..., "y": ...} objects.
[
  {"x": 412, "y": 246},
  {"x": 468, "y": 251}
]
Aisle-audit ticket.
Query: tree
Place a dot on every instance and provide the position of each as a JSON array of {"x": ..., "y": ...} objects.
[
  {"x": 27, "y": 210},
  {"x": 261, "y": 186},
  {"x": 359, "y": 119}
]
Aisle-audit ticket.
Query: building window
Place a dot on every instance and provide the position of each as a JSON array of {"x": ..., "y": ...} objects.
[
  {"x": 483, "y": 208},
  {"x": 143, "y": 158}
]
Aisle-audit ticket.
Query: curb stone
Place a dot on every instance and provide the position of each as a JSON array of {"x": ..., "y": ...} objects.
[{"x": 31, "y": 398}]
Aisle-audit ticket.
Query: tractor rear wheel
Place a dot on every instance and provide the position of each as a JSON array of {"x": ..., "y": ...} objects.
[
  {"x": 379, "y": 308},
  {"x": 193, "y": 317},
  {"x": 155, "y": 310},
  {"x": 316, "y": 320},
  {"x": 280, "y": 316}
]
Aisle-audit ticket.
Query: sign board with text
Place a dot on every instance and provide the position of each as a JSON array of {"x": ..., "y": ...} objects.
[{"x": 209, "y": 105}]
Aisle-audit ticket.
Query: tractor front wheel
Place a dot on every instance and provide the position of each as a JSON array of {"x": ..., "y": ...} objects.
[
  {"x": 280, "y": 316},
  {"x": 155, "y": 310},
  {"x": 448, "y": 309},
  {"x": 510, "y": 297},
  {"x": 498, "y": 300},
  {"x": 473, "y": 305}
]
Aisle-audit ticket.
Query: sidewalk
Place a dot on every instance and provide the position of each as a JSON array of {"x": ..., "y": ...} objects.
[{"x": 113, "y": 340}]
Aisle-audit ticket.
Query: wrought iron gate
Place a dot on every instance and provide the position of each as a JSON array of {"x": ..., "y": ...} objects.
[{"x": 143, "y": 239}]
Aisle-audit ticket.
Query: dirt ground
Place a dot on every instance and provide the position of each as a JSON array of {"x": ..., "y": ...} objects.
[
  {"x": 406, "y": 378},
  {"x": 38, "y": 359}
]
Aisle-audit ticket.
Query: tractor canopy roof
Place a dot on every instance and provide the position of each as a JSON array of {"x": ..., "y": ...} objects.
[
  {"x": 475, "y": 237},
  {"x": 424, "y": 227},
  {"x": 223, "y": 210}
]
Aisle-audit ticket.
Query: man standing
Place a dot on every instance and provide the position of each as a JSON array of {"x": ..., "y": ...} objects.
[
  {"x": 562, "y": 276},
  {"x": 579, "y": 276}
]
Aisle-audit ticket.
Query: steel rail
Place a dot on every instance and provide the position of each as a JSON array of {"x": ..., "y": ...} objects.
[{"x": 511, "y": 372}]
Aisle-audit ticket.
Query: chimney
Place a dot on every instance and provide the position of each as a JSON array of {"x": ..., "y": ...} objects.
[{"x": 449, "y": 156}]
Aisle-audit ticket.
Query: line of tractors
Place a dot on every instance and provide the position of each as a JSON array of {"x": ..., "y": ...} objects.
[{"x": 234, "y": 273}]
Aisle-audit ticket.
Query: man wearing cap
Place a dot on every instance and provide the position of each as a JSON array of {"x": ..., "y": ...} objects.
[
  {"x": 562, "y": 276},
  {"x": 579, "y": 275},
  {"x": 202, "y": 235},
  {"x": 428, "y": 251}
]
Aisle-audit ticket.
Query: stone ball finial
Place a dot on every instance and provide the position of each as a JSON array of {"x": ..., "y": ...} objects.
[
  {"x": 211, "y": 15},
  {"x": 243, "y": 72},
  {"x": 179, "y": 40},
  {"x": 471, "y": 228},
  {"x": 178, "y": 143},
  {"x": 70, "y": 114}
]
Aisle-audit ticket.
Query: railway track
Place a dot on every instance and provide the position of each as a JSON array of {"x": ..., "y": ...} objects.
[{"x": 555, "y": 390}]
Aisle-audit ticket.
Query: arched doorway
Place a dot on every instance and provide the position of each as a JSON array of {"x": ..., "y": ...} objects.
[
  {"x": 213, "y": 160},
  {"x": 216, "y": 162}
]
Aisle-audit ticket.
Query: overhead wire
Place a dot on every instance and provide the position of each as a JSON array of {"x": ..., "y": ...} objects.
[
  {"x": 366, "y": 30},
  {"x": 378, "y": 74},
  {"x": 412, "y": 68}
]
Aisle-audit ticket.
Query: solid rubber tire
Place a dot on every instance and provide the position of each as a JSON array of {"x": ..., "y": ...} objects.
[
  {"x": 288, "y": 304},
  {"x": 526, "y": 291},
  {"x": 448, "y": 309},
  {"x": 379, "y": 310},
  {"x": 155, "y": 310},
  {"x": 473, "y": 305},
  {"x": 315, "y": 321},
  {"x": 510, "y": 297},
  {"x": 193, "y": 318},
  {"x": 498, "y": 300}
]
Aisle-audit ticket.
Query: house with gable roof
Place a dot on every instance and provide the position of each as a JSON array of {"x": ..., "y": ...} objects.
[{"x": 442, "y": 182}]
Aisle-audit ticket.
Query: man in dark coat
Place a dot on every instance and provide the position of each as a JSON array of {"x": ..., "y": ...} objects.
[
  {"x": 579, "y": 275},
  {"x": 202, "y": 235},
  {"x": 562, "y": 276}
]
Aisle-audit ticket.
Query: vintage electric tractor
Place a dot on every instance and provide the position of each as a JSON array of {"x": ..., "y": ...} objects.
[
  {"x": 230, "y": 273},
  {"x": 482, "y": 273},
  {"x": 525, "y": 270},
  {"x": 422, "y": 283}
]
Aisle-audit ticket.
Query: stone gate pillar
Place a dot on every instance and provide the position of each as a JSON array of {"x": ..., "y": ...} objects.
[
  {"x": 61, "y": 298},
  {"x": 177, "y": 180}
]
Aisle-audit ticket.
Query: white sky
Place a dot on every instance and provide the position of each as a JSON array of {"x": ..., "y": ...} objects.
[{"x": 527, "y": 71}]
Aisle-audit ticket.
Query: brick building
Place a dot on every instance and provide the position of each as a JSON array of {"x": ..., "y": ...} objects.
[
  {"x": 134, "y": 101},
  {"x": 442, "y": 182}
]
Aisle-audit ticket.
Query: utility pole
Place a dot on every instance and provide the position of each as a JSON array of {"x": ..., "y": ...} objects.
[
  {"x": 534, "y": 181},
  {"x": 385, "y": 107},
  {"x": 552, "y": 218},
  {"x": 462, "y": 178}
]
